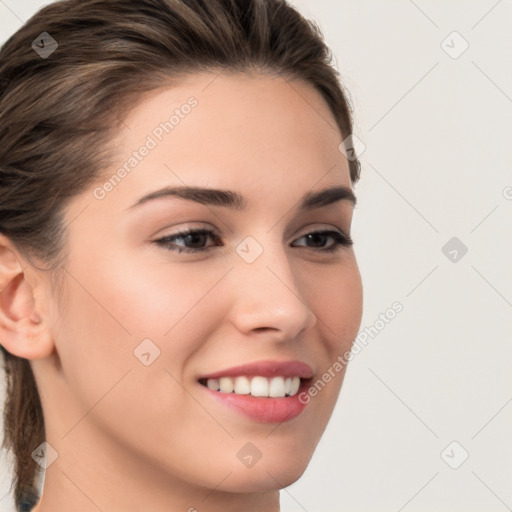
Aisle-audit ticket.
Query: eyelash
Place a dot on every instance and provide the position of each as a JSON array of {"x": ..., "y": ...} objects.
[{"x": 340, "y": 240}]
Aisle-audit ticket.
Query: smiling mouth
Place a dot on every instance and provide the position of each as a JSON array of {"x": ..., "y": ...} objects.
[{"x": 257, "y": 386}]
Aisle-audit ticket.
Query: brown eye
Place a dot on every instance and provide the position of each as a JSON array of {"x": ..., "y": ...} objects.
[
  {"x": 318, "y": 239},
  {"x": 194, "y": 238}
]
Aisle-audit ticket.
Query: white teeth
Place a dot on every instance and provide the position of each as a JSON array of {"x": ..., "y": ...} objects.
[
  {"x": 287, "y": 384},
  {"x": 275, "y": 387},
  {"x": 242, "y": 386},
  {"x": 294, "y": 386},
  {"x": 213, "y": 384},
  {"x": 259, "y": 386},
  {"x": 226, "y": 385}
]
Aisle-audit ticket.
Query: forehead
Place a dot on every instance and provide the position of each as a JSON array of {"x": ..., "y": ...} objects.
[
  {"x": 256, "y": 133},
  {"x": 235, "y": 109}
]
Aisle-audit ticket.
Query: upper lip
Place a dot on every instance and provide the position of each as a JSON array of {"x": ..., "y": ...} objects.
[{"x": 265, "y": 369}]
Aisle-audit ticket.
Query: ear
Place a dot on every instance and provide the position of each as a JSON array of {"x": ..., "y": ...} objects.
[{"x": 23, "y": 329}]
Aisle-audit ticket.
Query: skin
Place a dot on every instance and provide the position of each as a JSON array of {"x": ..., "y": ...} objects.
[{"x": 132, "y": 437}]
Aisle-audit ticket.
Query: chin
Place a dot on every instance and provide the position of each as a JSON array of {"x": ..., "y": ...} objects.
[{"x": 274, "y": 474}]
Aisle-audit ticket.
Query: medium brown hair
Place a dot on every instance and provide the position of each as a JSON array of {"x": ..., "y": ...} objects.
[{"x": 58, "y": 113}]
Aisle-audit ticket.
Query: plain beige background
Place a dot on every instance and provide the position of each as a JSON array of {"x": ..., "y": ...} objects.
[{"x": 424, "y": 418}]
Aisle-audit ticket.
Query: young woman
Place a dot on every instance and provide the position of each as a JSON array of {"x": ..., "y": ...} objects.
[{"x": 178, "y": 282}]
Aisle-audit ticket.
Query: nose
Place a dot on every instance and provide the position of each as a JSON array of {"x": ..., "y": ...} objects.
[{"x": 267, "y": 296}]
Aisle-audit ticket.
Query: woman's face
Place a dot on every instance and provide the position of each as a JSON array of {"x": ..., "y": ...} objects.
[{"x": 144, "y": 320}]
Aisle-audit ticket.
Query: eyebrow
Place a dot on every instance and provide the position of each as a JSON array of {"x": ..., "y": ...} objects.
[{"x": 235, "y": 201}]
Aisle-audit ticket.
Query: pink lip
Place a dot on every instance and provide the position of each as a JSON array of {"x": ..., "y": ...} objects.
[
  {"x": 264, "y": 409},
  {"x": 266, "y": 369}
]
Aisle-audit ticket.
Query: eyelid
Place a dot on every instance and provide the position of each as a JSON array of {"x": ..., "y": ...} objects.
[
  {"x": 183, "y": 228},
  {"x": 323, "y": 227},
  {"x": 207, "y": 227}
]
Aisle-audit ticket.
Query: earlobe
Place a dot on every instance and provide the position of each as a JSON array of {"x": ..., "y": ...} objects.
[{"x": 23, "y": 332}]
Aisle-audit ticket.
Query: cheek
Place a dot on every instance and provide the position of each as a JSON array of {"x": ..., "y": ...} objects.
[
  {"x": 114, "y": 307},
  {"x": 109, "y": 312},
  {"x": 335, "y": 296},
  {"x": 337, "y": 299}
]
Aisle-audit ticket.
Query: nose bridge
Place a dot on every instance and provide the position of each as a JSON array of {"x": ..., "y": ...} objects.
[{"x": 268, "y": 294}]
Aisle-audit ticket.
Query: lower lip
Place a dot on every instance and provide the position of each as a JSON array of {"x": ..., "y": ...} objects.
[{"x": 262, "y": 409}]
